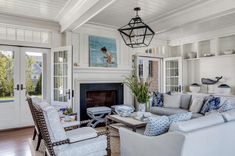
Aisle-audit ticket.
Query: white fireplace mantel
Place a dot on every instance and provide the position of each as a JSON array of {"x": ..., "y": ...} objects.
[{"x": 99, "y": 75}]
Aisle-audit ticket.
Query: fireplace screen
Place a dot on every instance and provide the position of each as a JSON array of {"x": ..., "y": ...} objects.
[{"x": 101, "y": 98}]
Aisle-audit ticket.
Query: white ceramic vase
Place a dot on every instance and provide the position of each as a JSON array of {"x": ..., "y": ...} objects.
[{"x": 142, "y": 107}]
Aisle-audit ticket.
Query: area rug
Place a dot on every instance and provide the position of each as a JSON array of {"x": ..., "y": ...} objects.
[{"x": 114, "y": 142}]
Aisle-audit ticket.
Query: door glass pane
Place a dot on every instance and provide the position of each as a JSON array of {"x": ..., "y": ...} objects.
[
  {"x": 33, "y": 69},
  {"x": 6, "y": 76},
  {"x": 172, "y": 76},
  {"x": 154, "y": 75},
  {"x": 60, "y": 76}
]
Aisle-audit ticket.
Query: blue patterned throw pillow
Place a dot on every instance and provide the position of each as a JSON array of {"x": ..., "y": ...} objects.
[
  {"x": 157, "y": 126},
  {"x": 180, "y": 117},
  {"x": 227, "y": 105},
  {"x": 158, "y": 99},
  {"x": 212, "y": 103}
]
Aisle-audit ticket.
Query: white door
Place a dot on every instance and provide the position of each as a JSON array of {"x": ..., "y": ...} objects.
[
  {"x": 9, "y": 87},
  {"x": 32, "y": 77},
  {"x": 21, "y": 72},
  {"x": 150, "y": 69},
  {"x": 173, "y": 74},
  {"x": 62, "y": 92}
]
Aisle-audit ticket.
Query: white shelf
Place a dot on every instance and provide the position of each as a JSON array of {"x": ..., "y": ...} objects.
[{"x": 211, "y": 57}]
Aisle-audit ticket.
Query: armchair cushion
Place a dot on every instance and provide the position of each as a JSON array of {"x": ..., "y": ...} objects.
[
  {"x": 81, "y": 134},
  {"x": 55, "y": 128},
  {"x": 91, "y": 147}
]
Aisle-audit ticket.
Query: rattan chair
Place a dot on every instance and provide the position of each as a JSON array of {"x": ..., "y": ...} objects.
[
  {"x": 36, "y": 127},
  {"x": 51, "y": 146}
]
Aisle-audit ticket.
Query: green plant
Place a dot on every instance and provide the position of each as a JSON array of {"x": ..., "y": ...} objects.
[
  {"x": 140, "y": 89},
  {"x": 68, "y": 111}
]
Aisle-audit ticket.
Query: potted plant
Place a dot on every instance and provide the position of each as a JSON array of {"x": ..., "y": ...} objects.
[{"x": 140, "y": 90}]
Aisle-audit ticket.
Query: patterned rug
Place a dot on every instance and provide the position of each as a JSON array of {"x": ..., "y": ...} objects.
[{"x": 114, "y": 142}]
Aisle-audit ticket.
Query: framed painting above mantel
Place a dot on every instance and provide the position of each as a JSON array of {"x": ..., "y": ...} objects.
[{"x": 102, "y": 52}]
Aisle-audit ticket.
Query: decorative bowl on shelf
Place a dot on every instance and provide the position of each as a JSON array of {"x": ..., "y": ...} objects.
[
  {"x": 124, "y": 111},
  {"x": 194, "y": 88},
  {"x": 208, "y": 55},
  {"x": 228, "y": 52},
  {"x": 192, "y": 55},
  {"x": 224, "y": 89}
]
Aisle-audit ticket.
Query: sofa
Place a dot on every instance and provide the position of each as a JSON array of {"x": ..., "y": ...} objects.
[
  {"x": 210, "y": 135},
  {"x": 186, "y": 100}
]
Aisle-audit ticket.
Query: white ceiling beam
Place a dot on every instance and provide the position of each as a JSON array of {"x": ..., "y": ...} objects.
[
  {"x": 209, "y": 9},
  {"x": 77, "y": 12}
]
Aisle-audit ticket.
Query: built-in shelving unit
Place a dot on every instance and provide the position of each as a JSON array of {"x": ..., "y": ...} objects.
[
  {"x": 222, "y": 49},
  {"x": 215, "y": 46}
]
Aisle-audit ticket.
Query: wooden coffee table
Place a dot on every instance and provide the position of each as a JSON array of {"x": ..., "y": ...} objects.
[{"x": 127, "y": 121}]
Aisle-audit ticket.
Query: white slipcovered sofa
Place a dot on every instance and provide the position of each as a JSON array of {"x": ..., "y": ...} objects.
[{"x": 211, "y": 135}]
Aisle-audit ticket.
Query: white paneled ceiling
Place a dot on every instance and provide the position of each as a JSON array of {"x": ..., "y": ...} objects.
[
  {"x": 200, "y": 27},
  {"x": 41, "y": 9},
  {"x": 120, "y": 12}
]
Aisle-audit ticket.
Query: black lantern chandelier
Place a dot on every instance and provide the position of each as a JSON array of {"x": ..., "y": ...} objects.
[{"x": 136, "y": 33}]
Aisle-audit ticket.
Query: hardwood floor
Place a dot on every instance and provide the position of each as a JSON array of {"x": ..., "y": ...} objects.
[{"x": 15, "y": 142}]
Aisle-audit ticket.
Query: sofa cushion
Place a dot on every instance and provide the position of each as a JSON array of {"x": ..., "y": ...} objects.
[
  {"x": 172, "y": 101},
  {"x": 197, "y": 115},
  {"x": 166, "y": 111},
  {"x": 229, "y": 115},
  {"x": 212, "y": 103},
  {"x": 157, "y": 125},
  {"x": 194, "y": 124},
  {"x": 196, "y": 104},
  {"x": 180, "y": 117},
  {"x": 185, "y": 101}
]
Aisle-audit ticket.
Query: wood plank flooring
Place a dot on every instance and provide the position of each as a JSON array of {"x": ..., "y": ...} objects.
[{"x": 15, "y": 142}]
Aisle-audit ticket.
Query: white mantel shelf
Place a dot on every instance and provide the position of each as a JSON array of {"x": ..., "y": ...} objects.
[{"x": 100, "y": 70}]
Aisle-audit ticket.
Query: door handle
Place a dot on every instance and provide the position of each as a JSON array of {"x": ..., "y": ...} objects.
[
  {"x": 68, "y": 93},
  {"x": 22, "y": 87},
  {"x": 17, "y": 87}
]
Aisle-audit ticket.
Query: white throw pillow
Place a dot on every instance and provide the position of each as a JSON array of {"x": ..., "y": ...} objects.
[
  {"x": 172, "y": 101},
  {"x": 196, "y": 105}
]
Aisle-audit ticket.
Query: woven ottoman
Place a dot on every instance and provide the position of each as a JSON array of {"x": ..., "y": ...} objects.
[{"x": 97, "y": 115}]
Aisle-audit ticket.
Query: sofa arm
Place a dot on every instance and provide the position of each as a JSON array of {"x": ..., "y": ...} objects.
[{"x": 135, "y": 144}]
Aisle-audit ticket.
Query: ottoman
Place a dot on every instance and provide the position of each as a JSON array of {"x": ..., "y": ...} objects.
[{"x": 97, "y": 115}]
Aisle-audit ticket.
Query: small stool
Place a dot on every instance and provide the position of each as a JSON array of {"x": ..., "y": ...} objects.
[{"x": 97, "y": 115}]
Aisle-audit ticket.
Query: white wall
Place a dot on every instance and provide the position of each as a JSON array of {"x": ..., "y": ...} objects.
[{"x": 85, "y": 74}]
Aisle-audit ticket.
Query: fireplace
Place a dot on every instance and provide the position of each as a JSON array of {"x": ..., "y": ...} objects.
[{"x": 99, "y": 94}]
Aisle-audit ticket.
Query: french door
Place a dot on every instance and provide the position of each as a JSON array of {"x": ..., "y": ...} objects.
[
  {"x": 62, "y": 75},
  {"x": 173, "y": 74},
  {"x": 21, "y": 73}
]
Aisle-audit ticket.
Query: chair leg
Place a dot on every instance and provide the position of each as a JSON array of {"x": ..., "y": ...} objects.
[
  {"x": 34, "y": 134},
  {"x": 39, "y": 142}
]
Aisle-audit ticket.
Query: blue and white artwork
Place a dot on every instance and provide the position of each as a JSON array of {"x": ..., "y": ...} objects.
[{"x": 103, "y": 52}]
